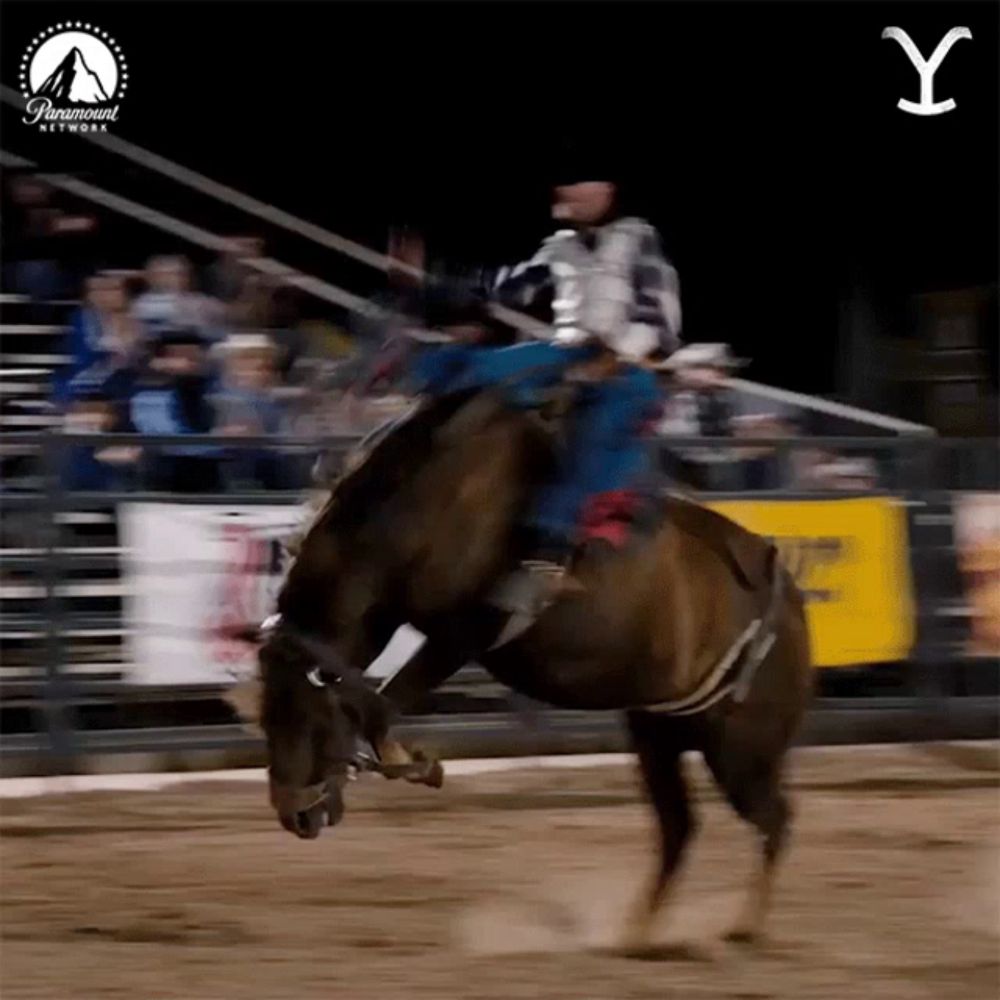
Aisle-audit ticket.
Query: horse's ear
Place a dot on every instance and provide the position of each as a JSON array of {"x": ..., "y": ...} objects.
[{"x": 244, "y": 698}]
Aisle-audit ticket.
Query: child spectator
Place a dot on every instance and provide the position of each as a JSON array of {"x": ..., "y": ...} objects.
[{"x": 249, "y": 404}]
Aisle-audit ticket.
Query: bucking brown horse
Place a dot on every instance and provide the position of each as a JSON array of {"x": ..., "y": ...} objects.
[{"x": 692, "y": 629}]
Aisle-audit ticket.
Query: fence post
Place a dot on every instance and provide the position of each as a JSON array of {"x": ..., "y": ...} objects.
[
  {"x": 786, "y": 469},
  {"x": 928, "y": 520},
  {"x": 58, "y": 705}
]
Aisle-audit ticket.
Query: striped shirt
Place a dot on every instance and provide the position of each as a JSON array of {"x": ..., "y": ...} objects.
[{"x": 617, "y": 287}]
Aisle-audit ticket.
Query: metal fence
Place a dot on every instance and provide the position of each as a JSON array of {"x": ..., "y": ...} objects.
[{"x": 63, "y": 695}]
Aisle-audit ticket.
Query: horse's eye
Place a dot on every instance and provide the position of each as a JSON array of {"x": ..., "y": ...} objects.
[{"x": 315, "y": 678}]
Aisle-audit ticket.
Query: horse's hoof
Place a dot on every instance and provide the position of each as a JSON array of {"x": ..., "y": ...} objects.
[
  {"x": 649, "y": 951},
  {"x": 743, "y": 935},
  {"x": 628, "y": 949},
  {"x": 435, "y": 775},
  {"x": 632, "y": 943}
]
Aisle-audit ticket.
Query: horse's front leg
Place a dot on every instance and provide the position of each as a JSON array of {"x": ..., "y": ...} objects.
[
  {"x": 374, "y": 714},
  {"x": 416, "y": 766},
  {"x": 431, "y": 665}
]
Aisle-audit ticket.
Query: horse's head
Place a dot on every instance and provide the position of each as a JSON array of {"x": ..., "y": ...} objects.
[
  {"x": 415, "y": 530},
  {"x": 308, "y": 742},
  {"x": 312, "y": 709}
]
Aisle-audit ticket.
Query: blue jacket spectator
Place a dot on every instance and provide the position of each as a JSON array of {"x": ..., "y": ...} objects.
[
  {"x": 174, "y": 398},
  {"x": 103, "y": 344},
  {"x": 90, "y": 467}
]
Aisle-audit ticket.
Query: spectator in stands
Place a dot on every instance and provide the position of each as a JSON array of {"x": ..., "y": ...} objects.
[
  {"x": 249, "y": 404},
  {"x": 88, "y": 466},
  {"x": 700, "y": 403},
  {"x": 31, "y": 264},
  {"x": 290, "y": 336},
  {"x": 251, "y": 310},
  {"x": 44, "y": 245},
  {"x": 227, "y": 276},
  {"x": 823, "y": 470},
  {"x": 103, "y": 342},
  {"x": 173, "y": 397},
  {"x": 170, "y": 301},
  {"x": 761, "y": 465}
]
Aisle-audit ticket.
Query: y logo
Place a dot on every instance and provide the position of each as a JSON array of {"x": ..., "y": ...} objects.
[{"x": 926, "y": 68}]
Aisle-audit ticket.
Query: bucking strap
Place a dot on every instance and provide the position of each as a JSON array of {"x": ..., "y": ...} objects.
[{"x": 734, "y": 673}]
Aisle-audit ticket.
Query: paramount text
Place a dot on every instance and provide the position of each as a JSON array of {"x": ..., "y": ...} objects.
[{"x": 41, "y": 109}]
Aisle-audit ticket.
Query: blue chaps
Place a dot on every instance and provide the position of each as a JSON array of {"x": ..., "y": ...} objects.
[{"x": 605, "y": 448}]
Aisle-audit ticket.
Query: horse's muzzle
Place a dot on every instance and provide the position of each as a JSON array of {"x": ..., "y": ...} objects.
[{"x": 305, "y": 811}]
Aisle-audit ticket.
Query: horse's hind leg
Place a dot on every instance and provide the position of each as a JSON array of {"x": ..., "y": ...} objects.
[
  {"x": 752, "y": 785},
  {"x": 654, "y": 740}
]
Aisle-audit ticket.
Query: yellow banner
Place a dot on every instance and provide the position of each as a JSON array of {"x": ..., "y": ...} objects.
[{"x": 850, "y": 558}]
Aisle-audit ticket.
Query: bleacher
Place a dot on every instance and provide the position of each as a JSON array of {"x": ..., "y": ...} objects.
[{"x": 31, "y": 352}]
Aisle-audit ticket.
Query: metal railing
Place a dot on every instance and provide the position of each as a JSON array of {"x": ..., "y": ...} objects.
[
  {"x": 523, "y": 323},
  {"x": 53, "y": 712}
]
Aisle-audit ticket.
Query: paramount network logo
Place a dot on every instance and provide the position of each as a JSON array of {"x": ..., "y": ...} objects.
[
  {"x": 73, "y": 76},
  {"x": 926, "y": 68}
]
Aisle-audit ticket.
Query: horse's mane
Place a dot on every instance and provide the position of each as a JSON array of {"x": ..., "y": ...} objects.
[
  {"x": 359, "y": 497},
  {"x": 392, "y": 460}
]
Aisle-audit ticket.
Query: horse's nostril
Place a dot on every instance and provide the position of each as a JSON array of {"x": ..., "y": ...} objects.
[{"x": 302, "y": 822}]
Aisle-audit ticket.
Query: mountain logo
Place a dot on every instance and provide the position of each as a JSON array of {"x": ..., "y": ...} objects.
[{"x": 73, "y": 76}]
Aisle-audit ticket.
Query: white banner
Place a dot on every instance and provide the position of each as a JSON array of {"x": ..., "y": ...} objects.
[
  {"x": 194, "y": 573},
  {"x": 977, "y": 536}
]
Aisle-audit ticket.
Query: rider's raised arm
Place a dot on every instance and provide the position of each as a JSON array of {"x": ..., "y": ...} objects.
[{"x": 657, "y": 303}]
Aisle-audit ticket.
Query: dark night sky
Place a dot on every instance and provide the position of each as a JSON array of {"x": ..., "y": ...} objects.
[{"x": 762, "y": 138}]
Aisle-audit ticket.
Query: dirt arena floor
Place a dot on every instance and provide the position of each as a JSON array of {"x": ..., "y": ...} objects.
[{"x": 506, "y": 886}]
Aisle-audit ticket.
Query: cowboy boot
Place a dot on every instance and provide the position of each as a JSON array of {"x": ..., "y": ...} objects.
[{"x": 538, "y": 580}]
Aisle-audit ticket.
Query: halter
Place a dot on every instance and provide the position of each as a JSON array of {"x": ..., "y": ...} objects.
[
  {"x": 329, "y": 666},
  {"x": 333, "y": 671}
]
